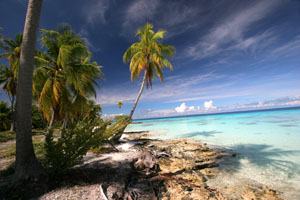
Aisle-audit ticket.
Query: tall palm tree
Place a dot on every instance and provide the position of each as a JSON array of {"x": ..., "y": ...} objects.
[
  {"x": 66, "y": 77},
  {"x": 149, "y": 56},
  {"x": 27, "y": 165},
  {"x": 9, "y": 75}
]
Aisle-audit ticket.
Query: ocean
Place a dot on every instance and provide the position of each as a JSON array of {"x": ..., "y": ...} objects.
[{"x": 267, "y": 143}]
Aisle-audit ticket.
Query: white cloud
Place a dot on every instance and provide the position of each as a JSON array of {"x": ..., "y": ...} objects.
[
  {"x": 111, "y": 116},
  {"x": 84, "y": 35},
  {"x": 258, "y": 41},
  {"x": 138, "y": 12},
  {"x": 279, "y": 102},
  {"x": 174, "y": 16},
  {"x": 293, "y": 103},
  {"x": 211, "y": 108},
  {"x": 183, "y": 108},
  {"x": 95, "y": 10},
  {"x": 288, "y": 49},
  {"x": 231, "y": 31},
  {"x": 209, "y": 105},
  {"x": 174, "y": 87},
  {"x": 191, "y": 108}
]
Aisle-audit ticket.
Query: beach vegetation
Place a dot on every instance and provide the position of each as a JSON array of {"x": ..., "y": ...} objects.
[
  {"x": 5, "y": 116},
  {"x": 38, "y": 120},
  {"x": 9, "y": 74},
  {"x": 69, "y": 149},
  {"x": 7, "y": 135},
  {"x": 120, "y": 104},
  {"x": 149, "y": 56},
  {"x": 66, "y": 77}
]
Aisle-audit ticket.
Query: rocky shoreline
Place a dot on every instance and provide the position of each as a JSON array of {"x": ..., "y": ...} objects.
[{"x": 153, "y": 169}]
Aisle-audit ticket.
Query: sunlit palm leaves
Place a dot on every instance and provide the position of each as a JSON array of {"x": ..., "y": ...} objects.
[
  {"x": 9, "y": 75},
  {"x": 8, "y": 81},
  {"x": 67, "y": 77},
  {"x": 12, "y": 49},
  {"x": 148, "y": 56}
]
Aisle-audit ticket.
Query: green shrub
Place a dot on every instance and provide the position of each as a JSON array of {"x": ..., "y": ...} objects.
[
  {"x": 121, "y": 118},
  {"x": 69, "y": 149},
  {"x": 7, "y": 135},
  {"x": 5, "y": 116},
  {"x": 38, "y": 119},
  {"x": 116, "y": 129}
]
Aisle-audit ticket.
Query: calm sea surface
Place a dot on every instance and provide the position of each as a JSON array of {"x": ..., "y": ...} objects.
[{"x": 267, "y": 143}]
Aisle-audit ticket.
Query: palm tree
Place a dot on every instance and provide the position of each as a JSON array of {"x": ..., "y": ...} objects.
[
  {"x": 66, "y": 77},
  {"x": 8, "y": 75},
  {"x": 9, "y": 82},
  {"x": 27, "y": 165},
  {"x": 120, "y": 104},
  {"x": 148, "y": 55}
]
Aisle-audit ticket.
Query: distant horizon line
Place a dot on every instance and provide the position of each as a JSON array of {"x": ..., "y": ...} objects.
[{"x": 219, "y": 113}]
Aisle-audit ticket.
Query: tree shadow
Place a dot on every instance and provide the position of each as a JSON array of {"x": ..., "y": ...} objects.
[
  {"x": 202, "y": 133},
  {"x": 98, "y": 171},
  {"x": 260, "y": 155}
]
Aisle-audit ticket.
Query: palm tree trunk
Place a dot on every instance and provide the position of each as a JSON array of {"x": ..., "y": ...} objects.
[
  {"x": 139, "y": 95},
  {"x": 27, "y": 165},
  {"x": 64, "y": 125},
  {"x": 12, "y": 126},
  {"x": 51, "y": 120}
]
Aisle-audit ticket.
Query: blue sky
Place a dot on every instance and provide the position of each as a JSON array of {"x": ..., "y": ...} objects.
[{"x": 230, "y": 55}]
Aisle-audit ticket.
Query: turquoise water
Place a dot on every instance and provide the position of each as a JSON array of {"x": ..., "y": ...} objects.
[{"x": 267, "y": 143}]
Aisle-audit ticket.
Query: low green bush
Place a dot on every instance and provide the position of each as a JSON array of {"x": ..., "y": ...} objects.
[
  {"x": 116, "y": 129},
  {"x": 68, "y": 150},
  {"x": 7, "y": 135},
  {"x": 5, "y": 116}
]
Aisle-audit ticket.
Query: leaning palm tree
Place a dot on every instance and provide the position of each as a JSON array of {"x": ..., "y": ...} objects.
[
  {"x": 149, "y": 56},
  {"x": 8, "y": 75},
  {"x": 66, "y": 76},
  {"x": 27, "y": 165}
]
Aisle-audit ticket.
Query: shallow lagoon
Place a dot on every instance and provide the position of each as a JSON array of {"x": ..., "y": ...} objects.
[{"x": 267, "y": 143}]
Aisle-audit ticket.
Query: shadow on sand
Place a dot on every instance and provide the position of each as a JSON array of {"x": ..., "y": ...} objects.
[
  {"x": 202, "y": 133},
  {"x": 260, "y": 155},
  {"x": 104, "y": 171}
]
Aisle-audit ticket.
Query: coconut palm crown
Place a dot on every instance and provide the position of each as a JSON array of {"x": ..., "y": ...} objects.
[
  {"x": 66, "y": 77},
  {"x": 148, "y": 56}
]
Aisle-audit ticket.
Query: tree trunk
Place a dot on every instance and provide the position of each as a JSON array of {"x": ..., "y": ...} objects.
[
  {"x": 12, "y": 124},
  {"x": 27, "y": 165},
  {"x": 139, "y": 95},
  {"x": 64, "y": 125},
  {"x": 13, "y": 116},
  {"x": 51, "y": 120}
]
